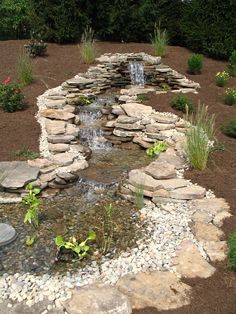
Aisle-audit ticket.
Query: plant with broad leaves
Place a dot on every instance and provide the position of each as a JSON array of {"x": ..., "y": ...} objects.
[
  {"x": 32, "y": 201},
  {"x": 80, "y": 249},
  {"x": 156, "y": 149}
]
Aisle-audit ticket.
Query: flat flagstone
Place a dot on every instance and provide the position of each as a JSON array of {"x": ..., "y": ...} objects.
[
  {"x": 140, "y": 179},
  {"x": 217, "y": 251},
  {"x": 211, "y": 205},
  {"x": 161, "y": 170},
  {"x": 175, "y": 160},
  {"x": 16, "y": 174},
  {"x": 136, "y": 110},
  {"x": 190, "y": 263},
  {"x": 57, "y": 114},
  {"x": 207, "y": 232},
  {"x": 162, "y": 290},
  {"x": 7, "y": 234},
  {"x": 188, "y": 193}
]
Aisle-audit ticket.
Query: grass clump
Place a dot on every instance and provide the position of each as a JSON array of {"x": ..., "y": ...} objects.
[
  {"x": 87, "y": 46},
  {"x": 230, "y": 96},
  {"x": 199, "y": 137},
  {"x": 26, "y": 154},
  {"x": 232, "y": 251},
  {"x": 232, "y": 64},
  {"x": 24, "y": 70},
  {"x": 230, "y": 128},
  {"x": 141, "y": 98},
  {"x": 139, "y": 196},
  {"x": 222, "y": 78},
  {"x": 159, "y": 40},
  {"x": 182, "y": 103},
  {"x": 195, "y": 62}
]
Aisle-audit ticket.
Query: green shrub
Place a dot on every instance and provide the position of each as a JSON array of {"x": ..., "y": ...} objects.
[
  {"x": 232, "y": 250},
  {"x": 230, "y": 96},
  {"x": 195, "y": 63},
  {"x": 182, "y": 103},
  {"x": 87, "y": 46},
  {"x": 230, "y": 128},
  {"x": 36, "y": 46},
  {"x": 25, "y": 70},
  {"x": 209, "y": 26},
  {"x": 199, "y": 137},
  {"x": 222, "y": 78},
  {"x": 159, "y": 41},
  {"x": 11, "y": 97},
  {"x": 232, "y": 64}
]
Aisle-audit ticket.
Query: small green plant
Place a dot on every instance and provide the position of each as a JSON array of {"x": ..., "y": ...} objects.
[
  {"x": 159, "y": 40},
  {"x": 195, "y": 62},
  {"x": 108, "y": 227},
  {"x": 230, "y": 128},
  {"x": 80, "y": 249},
  {"x": 11, "y": 97},
  {"x": 25, "y": 70},
  {"x": 230, "y": 96},
  {"x": 222, "y": 78},
  {"x": 87, "y": 46},
  {"x": 165, "y": 87},
  {"x": 199, "y": 137},
  {"x": 30, "y": 240},
  {"x": 182, "y": 103},
  {"x": 31, "y": 200},
  {"x": 85, "y": 100},
  {"x": 156, "y": 149},
  {"x": 139, "y": 196},
  {"x": 26, "y": 154},
  {"x": 141, "y": 98},
  {"x": 232, "y": 250},
  {"x": 232, "y": 64}
]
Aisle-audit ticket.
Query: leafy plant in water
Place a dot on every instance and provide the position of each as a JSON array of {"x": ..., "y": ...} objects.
[
  {"x": 232, "y": 251},
  {"x": 108, "y": 227},
  {"x": 159, "y": 40},
  {"x": 32, "y": 201},
  {"x": 156, "y": 149},
  {"x": 30, "y": 240},
  {"x": 85, "y": 100},
  {"x": 87, "y": 46},
  {"x": 80, "y": 249}
]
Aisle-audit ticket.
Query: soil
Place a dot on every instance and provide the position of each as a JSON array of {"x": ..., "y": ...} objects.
[{"x": 20, "y": 130}]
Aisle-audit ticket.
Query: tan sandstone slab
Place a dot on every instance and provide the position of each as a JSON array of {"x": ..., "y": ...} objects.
[
  {"x": 96, "y": 299},
  {"x": 162, "y": 290},
  {"x": 188, "y": 193},
  {"x": 207, "y": 232},
  {"x": 64, "y": 159},
  {"x": 190, "y": 263},
  {"x": 139, "y": 178},
  {"x": 175, "y": 160},
  {"x": 211, "y": 205},
  {"x": 54, "y": 127},
  {"x": 156, "y": 127},
  {"x": 217, "y": 251},
  {"x": 161, "y": 170},
  {"x": 172, "y": 184},
  {"x": 56, "y": 114},
  {"x": 136, "y": 110}
]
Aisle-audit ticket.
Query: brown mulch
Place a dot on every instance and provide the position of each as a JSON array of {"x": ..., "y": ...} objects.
[{"x": 20, "y": 130}]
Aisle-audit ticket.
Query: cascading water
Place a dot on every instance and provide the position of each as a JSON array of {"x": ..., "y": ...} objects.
[
  {"x": 136, "y": 70},
  {"x": 90, "y": 131}
]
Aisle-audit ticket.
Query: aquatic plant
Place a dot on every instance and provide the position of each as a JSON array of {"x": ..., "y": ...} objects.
[
  {"x": 156, "y": 149},
  {"x": 32, "y": 202},
  {"x": 80, "y": 249},
  {"x": 108, "y": 227}
]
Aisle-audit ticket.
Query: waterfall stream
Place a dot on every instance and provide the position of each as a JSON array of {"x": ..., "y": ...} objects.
[{"x": 136, "y": 70}]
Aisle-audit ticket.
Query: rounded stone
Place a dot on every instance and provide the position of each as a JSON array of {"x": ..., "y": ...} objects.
[{"x": 7, "y": 234}]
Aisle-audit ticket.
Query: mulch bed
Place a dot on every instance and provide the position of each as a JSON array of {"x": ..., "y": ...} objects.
[{"x": 20, "y": 130}]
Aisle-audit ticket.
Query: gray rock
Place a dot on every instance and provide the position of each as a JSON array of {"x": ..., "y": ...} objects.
[
  {"x": 56, "y": 139},
  {"x": 142, "y": 143},
  {"x": 55, "y": 104},
  {"x": 16, "y": 174},
  {"x": 64, "y": 159},
  {"x": 139, "y": 178},
  {"x": 161, "y": 170},
  {"x": 39, "y": 163},
  {"x": 122, "y": 133},
  {"x": 162, "y": 290},
  {"x": 7, "y": 234},
  {"x": 99, "y": 300},
  {"x": 9, "y": 198},
  {"x": 189, "y": 262},
  {"x": 125, "y": 119}
]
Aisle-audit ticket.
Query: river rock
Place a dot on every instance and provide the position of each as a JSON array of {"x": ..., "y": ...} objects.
[
  {"x": 54, "y": 127},
  {"x": 188, "y": 193},
  {"x": 161, "y": 170},
  {"x": 57, "y": 114},
  {"x": 207, "y": 232},
  {"x": 7, "y": 234},
  {"x": 136, "y": 110},
  {"x": 99, "y": 300},
  {"x": 162, "y": 290},
  {"x": 139, "y": 178}
]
